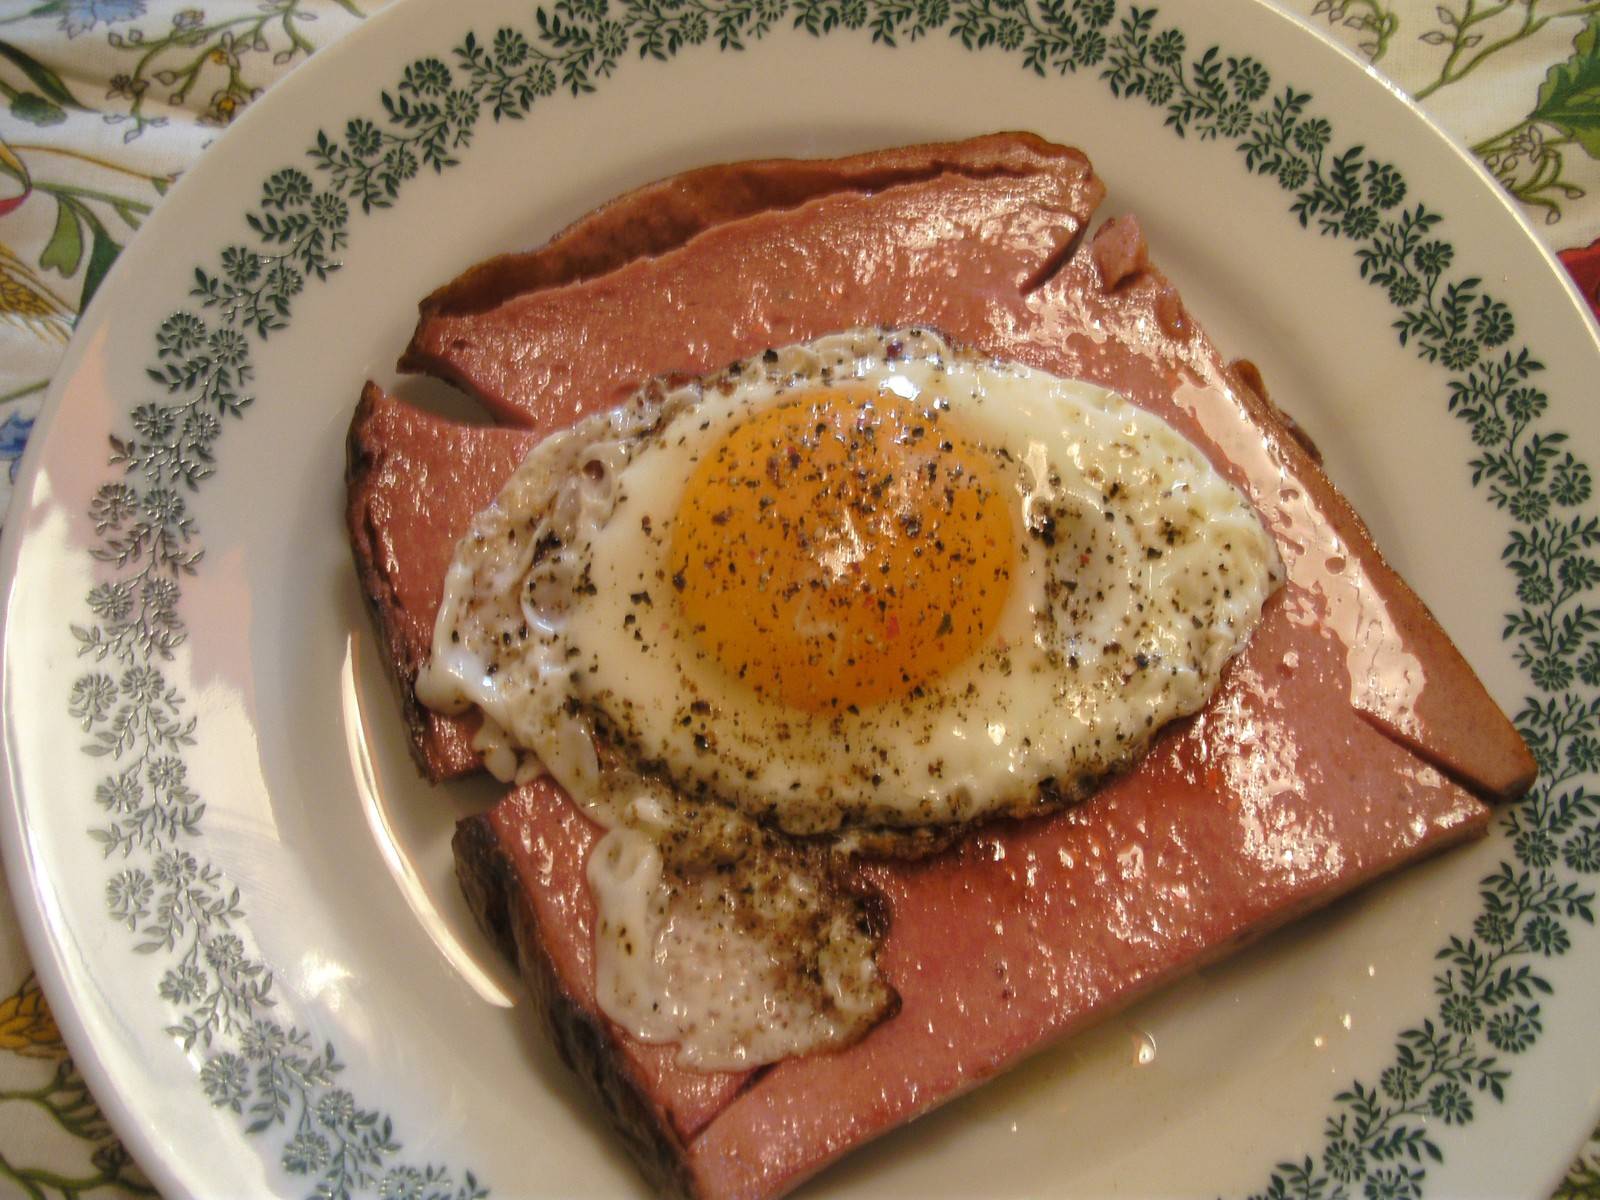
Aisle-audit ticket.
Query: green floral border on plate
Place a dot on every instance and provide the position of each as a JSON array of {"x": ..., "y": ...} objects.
[{"x": 1379, "y": 1137}]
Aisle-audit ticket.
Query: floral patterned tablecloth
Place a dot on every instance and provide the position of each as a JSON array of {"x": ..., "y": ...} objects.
[{"x": 106, "y": 102}]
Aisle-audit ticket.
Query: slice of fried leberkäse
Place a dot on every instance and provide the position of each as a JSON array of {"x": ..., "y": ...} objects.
[{"x": 1349, "y": 738}]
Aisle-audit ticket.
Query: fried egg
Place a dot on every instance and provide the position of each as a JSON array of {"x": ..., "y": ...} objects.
[{"x": 869, "y": 583}]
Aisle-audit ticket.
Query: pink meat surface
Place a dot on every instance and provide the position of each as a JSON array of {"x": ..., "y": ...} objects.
[
  {"x": 936, "y": 245},
  {"x": 552, "y": 841},
  {"x": 415, "y": 482},
  {"x": 950, "y": 252},
  {"x": 1326, "y": 759},
  {"x": 1238, "y": 821},
  {"x": 662, "y": 216}
]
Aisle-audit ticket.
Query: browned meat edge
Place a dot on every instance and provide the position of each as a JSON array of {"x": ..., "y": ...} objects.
[
  {"x": 383, "y": 605},
  {"x": 1507, "y": 769},
  {"x": 489, "y": 880},
  {"x": 664, "y": 215}
]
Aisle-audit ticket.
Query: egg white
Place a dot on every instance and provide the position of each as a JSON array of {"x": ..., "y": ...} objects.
[
  {"x": 1140, "y": 571},
  {"x": 1167, "y": 564}
]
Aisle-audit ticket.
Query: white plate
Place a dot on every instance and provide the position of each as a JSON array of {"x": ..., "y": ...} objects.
[{"x": 308, "y": 912}]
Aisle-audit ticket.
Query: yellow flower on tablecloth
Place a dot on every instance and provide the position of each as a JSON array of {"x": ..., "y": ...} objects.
[
  {"x": 26, "y": 1026},
  {"x": 26, "y": 301}
]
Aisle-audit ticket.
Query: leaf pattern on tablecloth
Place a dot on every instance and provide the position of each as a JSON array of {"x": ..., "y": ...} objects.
[
  {"x": 1475, "y": 32},
  {"x": 157, "y": 59},
  {"x": 1372, "y": 22},
  {"x": 1582, "y": 1180},
  {"x": 42, "y": 98},
  {"x": 52, "y": 1088},
  {"x": 1530, "y": 158},
  {"x": 227, "y": 60},
  {"x": 91, "y": 223}
]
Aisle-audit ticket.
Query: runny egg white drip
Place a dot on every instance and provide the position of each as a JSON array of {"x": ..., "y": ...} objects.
[
  {"x": 731, "y": 941},
  {"x": 779, "y": 963},
  {"x": 1120, "y": 577}
]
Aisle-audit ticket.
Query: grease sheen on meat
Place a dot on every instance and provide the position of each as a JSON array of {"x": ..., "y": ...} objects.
[
  {"x": 867, "y": 581},
  {"x": 1289, "y": 789}
]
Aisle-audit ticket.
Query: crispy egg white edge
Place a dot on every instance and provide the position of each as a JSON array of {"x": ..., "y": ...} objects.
[{"x": 986, "y": 735}]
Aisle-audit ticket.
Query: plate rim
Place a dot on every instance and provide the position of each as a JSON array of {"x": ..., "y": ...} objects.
[{"x": 362, "y": 41}]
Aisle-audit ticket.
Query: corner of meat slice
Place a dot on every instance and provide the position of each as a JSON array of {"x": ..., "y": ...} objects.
[
  {"x": 521, "y": 866},
  {"x": 412, "y": 483},
  {"x": 756, "y": 254},
  {"x": 943, "y": 235}
]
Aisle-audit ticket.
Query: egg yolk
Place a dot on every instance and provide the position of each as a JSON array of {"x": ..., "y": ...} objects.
[{"x": 842, "y": 548}]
